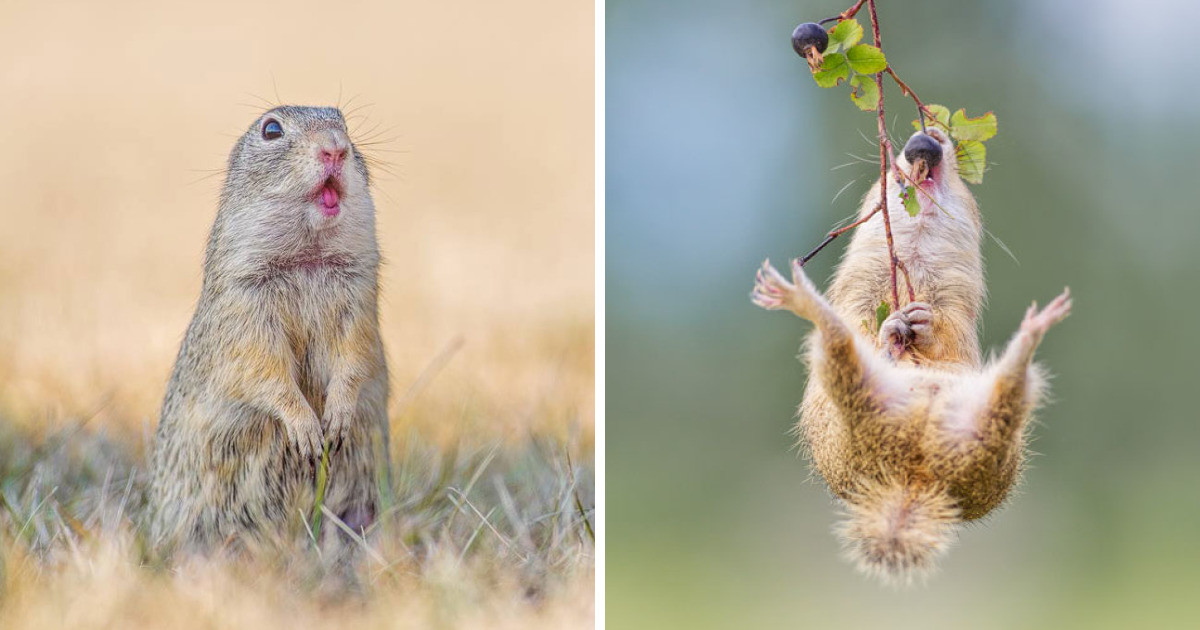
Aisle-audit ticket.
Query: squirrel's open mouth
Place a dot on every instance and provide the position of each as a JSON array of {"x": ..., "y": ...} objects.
[
  {"x": 924, "y": 175},
  {"x": 925, "y": 179},
  {"x": 329, "y": 196}
]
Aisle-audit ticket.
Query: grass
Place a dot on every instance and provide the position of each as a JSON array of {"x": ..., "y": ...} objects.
[
  {"x": 471, "y": 536},
  {"x": 488, "y": 521}
]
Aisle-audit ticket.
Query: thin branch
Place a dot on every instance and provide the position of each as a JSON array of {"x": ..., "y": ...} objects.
[
  {"x": 922, "y": 111},
  {"x": 912, "y": 296},
  {"x": 838, "y": 232},
  {"x": 884, "y": 157},
  {"x": 845, "y": 15},
  {"x": 816, "y": 250}
]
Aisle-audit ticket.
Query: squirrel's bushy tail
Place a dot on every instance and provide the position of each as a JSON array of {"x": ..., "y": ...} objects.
[{"x": 897, "y": 531}]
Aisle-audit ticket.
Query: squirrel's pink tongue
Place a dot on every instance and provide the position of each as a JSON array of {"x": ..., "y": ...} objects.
[
  {"x": 329, "y": 199},
  {"x": 329, "y": 196}
]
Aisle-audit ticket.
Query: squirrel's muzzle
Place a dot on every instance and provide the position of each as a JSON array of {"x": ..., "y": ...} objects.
[{"x": 924, "y": 154}]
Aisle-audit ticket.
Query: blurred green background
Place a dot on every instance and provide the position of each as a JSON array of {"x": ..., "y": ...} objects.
[{"x": 721, "y": 151}]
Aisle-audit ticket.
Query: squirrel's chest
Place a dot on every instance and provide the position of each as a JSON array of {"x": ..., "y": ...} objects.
[
  {"x": 312, "y": 325},
  {"x": 929, "y": 242}
]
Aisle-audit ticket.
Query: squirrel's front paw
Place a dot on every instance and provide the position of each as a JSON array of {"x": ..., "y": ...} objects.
[
  {"x": 908, "y": 328},
  {"x": 337, "y": 425},
  {"x": 304, "y": 432}
]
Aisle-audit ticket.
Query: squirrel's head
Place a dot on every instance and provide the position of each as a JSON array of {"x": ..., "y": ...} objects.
[
  {"x": 929, "y": 161},
  {"x": 296, "y": 167}
]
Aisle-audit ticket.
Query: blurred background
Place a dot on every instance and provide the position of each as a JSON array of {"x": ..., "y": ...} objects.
[
  {"x": 120, "y": 118},
  {"x": 118, "y": 121},
  {"x": 722, "y": 151}
]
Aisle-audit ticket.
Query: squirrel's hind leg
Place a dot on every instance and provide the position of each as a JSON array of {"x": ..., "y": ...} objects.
[{"x": 1014, "y": 382}]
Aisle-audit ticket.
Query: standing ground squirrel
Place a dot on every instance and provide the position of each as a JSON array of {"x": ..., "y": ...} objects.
[
  {"x": 283, "y": 353},
  {"x": 908, "y": 426}
]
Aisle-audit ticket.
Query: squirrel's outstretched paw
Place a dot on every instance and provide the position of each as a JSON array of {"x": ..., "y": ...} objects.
[
  {"x": 770, "y": 288},
  {"x": 772, "y": 291},
  {"x": 1038, "y": 322}
]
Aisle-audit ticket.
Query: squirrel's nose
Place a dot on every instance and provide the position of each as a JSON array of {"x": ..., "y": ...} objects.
[
  {"x": 924, "y": 147},
  {"x": 332, "y": 157},
  {"x": 331, "y": 147}
]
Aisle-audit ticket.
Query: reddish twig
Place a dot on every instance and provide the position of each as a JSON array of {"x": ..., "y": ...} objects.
[
  {"x": 838, "y": 232},
  {"x": 912, "y": 296},
  {"x": 828, "y": 239},
  {"x": 884, "y": 160},
  {"x": 843, "y": 230},
  {"x": 845, "y": 15},
  {"x": 922, "y": 111}
]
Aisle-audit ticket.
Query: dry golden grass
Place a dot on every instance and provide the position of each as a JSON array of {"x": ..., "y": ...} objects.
[
  {"x": 469, "y": 538},
  {"x": 111, "y": 588},
  {"x": 118, "y": 119}
]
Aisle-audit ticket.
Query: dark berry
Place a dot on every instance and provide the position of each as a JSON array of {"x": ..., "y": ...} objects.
[
  {"x": 809, "y": 35},
  {"x": 923, "y": 147}
]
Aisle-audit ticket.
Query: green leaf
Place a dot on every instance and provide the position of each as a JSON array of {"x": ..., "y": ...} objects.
[
  {"x": 981, "y": 128},
  {"x": 866, "y": 59},
  {"x": 911, "y": 205},
  {"x": 845, "y": 34},
  {"x": 864, "y": 92},
  {"x": 972, "y": 160},
  {"x": 941, "y": 115},
  {"x": 833, "y": 70},
  {"x": 881, "y": 314}
]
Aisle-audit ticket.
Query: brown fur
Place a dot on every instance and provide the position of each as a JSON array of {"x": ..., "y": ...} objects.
[
  {"x": 283, "y": 355},
  {"x": 906, "y": 424}
]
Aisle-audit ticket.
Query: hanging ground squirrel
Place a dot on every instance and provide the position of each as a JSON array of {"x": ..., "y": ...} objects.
[
  {"x": 907, "y": 425},
  {"x": 283, "y": 353}
]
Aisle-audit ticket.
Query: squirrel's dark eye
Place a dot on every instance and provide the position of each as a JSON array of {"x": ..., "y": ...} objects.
[{"x": 272, "y": 129}]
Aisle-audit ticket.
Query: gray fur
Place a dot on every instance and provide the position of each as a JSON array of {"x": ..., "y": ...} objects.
[{"x": 283, "y": 353}]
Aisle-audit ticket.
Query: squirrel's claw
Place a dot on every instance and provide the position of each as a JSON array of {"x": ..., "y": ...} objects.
[
  {"x": 305, "y": 436},
  {"x": 770, "y": 288},
  {"x": 1038, "y": 322},
  {"x": 337, "y": 427}
]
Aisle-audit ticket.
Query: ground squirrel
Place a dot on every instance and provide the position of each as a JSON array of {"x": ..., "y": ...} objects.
[
  {"x": 283, "y": 353},
  {"x": 908, "y": 426}
]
